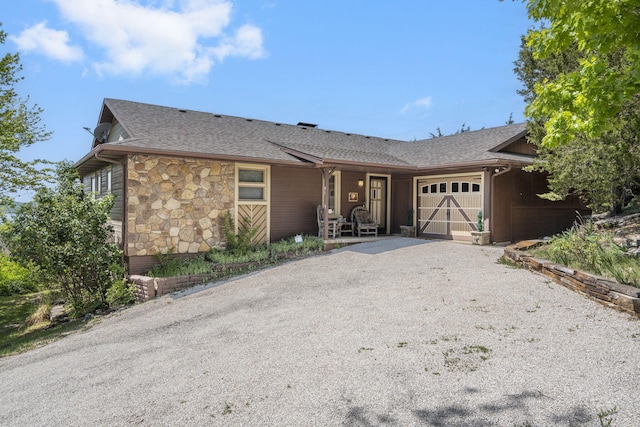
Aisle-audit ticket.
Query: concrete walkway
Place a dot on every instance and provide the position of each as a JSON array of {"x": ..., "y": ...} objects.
[{"x": 393, "y": 332}]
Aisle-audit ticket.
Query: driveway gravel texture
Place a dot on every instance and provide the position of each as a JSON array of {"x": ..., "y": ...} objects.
[{"x": 395, "y": 332}]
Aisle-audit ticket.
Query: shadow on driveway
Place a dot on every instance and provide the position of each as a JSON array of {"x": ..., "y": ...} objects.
[{"x": 384, "y": 245}]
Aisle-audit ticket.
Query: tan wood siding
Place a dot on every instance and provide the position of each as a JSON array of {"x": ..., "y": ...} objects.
[
  {"x": 256, "y": 217},
  {"x": 295, "y": 194}
]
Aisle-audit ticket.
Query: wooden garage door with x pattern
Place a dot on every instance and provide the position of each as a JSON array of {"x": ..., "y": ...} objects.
[{"x": 448, "y": 206}]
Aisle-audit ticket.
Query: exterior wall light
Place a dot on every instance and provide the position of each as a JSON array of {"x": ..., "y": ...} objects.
[{"x": 361, "y": 183}]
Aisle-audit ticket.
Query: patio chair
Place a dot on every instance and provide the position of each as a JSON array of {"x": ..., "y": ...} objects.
[
  {"x": 346, "y": 227},
  {"x": 362, "y": 222},
  {"x": 333, "y": 227}
]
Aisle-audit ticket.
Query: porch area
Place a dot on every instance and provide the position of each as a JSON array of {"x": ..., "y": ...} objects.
[{"x": 352, "y": 240}]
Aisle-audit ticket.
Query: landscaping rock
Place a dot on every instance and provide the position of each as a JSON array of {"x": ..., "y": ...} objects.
[{"x": 57, "y": 312}]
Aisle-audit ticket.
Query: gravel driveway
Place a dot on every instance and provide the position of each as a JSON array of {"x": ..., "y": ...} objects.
[{"x": 395, "y": 332}]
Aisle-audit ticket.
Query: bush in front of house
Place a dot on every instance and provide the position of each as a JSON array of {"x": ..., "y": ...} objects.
[
  {"x": 121, "y": 293},
  {"x": 65, "y": 234},
  {"x": 256, "y": 255},
  {"x": 169, "y": 266},
  {"x": 588, "y": 248}
]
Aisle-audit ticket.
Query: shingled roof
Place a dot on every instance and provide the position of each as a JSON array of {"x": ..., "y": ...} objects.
[{"x": 154, "y": 129}]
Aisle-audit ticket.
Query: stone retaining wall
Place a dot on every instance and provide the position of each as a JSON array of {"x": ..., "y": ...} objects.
[
  {"x": 608, "y": 292},
  {"x": 150, "y": 287}
]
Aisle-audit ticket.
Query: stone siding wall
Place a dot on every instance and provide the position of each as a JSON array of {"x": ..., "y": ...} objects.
[{"x": 176, "y": 204}]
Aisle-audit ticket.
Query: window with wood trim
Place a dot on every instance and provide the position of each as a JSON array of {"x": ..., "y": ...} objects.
[
  {"x": 109, "y": 179},
  {"x": 252, "y": 183},
  {"x": 334, "y": 192},
  {"x": 96, "y": 182},
  {"x": 252, "y": 199}
]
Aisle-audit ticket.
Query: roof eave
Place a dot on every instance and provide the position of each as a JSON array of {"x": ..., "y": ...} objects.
[
  {"x": 118, "y": 150},
  {"x": 509, "y": 141},
  {"x": 475, "y": 164}
]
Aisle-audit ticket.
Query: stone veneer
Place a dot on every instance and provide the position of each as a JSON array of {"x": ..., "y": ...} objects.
[{"x": 176, "y": 204}]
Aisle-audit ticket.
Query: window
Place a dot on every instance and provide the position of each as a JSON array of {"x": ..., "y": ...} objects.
[
  {"x": 443, "y": 187},
  {"x": 334, "y": 192},
  {"x": 96, "y": 182},
  {"x": 252, "y": 183},
  {"x": 465, "y": 187},
  {"x": 109, "y": 175},
  {"x": 455, "y": 187},
  {"x": 475, "y": 188},
  {"x": 252, "y": 200}
]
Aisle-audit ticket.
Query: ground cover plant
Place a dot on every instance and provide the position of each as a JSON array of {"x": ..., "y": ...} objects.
[
  {"x": 25, "y": 324},
  {"x": 237, "y": 259},
  {"x": 589, "y": 248},
  {"x": 15, "y": 278}
]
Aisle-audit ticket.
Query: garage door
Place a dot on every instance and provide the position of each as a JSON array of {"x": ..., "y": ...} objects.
[{"x": 448, "y": 206}]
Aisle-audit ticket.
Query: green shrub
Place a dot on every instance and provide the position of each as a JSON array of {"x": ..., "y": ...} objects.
[
  {"x": 82, "y": 302},
  {"x": 308, "y": 245},
  {"x": 257, "y": 254},
  {"x": 260, "y": 254},
  {"x": 171, "y": 266},
  {"x": 66, "y": 233},
  {"x": 585, "y": 247},
  {"x": 121, "y": 293},
  {"x": 16, "y": 279},
  {"x": 242, "y": 240}
]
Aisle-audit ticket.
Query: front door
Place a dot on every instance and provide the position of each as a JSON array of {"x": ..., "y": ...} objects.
[
  {"x": 378, "y": 201},
  {"x": 448, "y": 206}
]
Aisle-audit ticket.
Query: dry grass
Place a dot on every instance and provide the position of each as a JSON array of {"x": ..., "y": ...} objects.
[{"x": 41, "y": 315}]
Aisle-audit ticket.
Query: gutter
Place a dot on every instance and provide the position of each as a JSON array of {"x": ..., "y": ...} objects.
[
  {"x": 125, "y": 150},
  {"x": 104, "y": 159}
]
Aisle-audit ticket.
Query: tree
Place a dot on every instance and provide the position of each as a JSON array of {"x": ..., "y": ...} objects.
[
  {"x": 438, "y": 133},
  {"x": 19, "y": 127},
  {"x": 463, "y": 128},
  {"x": 603, "y": 171},
  {"x": 587, "y": 100},
  {"x": 65, "y": 233},
  {"x": 510, "y": 120}
]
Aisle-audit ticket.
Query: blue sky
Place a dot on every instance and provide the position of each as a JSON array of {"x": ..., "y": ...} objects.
[{"x": 396, "y": 69}]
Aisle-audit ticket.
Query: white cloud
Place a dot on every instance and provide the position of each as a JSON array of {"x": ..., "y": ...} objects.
[
  {"x": 246, "y": 42},
  {"x": 424, "y": 103},
  {"x": 181, "y": 39},
  {"x": 51, "y": 43}
]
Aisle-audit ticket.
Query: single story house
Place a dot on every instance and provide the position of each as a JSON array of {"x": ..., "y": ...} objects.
[{"x": 176, "y": 172}]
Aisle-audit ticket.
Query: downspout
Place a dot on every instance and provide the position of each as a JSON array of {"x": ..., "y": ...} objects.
[{"x": 493, "y": 207}]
